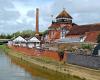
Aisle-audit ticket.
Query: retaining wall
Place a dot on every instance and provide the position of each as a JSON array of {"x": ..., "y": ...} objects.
[{"x": 84, "y": 60}]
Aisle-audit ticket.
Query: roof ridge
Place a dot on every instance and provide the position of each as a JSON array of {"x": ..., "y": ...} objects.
[{"x": 63, "y": 14}]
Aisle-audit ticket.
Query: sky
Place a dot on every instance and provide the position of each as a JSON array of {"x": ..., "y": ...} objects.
[{"x": 18, "y": 15}]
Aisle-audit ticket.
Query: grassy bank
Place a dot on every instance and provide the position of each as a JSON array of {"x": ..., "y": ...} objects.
[
  {"x": 57, "y": 67},
  {"x": 40, "y": 64},
  {"x": 51, "y": 69},
  {"x": 5, "y": 48},
  {"x": 43, "y": 71}
]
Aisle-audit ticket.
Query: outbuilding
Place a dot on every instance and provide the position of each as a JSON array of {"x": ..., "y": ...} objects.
[
  {"x": 33, "y": 42},
  {"x": 19, "y": 41}
]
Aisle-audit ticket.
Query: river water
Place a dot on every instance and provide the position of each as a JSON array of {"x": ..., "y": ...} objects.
[
  {"x": 10, "y": 71},
  {"x": 17, "y": 69}
]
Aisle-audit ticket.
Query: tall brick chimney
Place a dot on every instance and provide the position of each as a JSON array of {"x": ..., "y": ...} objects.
[{"x": 37, "y": 22}]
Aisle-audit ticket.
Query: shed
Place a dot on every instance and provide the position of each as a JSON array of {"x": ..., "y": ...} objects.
[
  {"x": 33, "y": 42},
  {"x": 19, "y": 41}
]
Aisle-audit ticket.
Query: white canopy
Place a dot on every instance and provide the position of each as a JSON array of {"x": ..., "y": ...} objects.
[
  {"x": 34, "y": 39},
  {"x": 19, "y": 39}
]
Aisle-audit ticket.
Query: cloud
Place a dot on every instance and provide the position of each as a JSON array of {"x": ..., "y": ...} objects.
[
  {"x": 17, "y": 15},
  {"x": 8, "y": 16},
  {"x": 11, "y": 28},
  {"x": 5, "y": 4},
  {"x": 31, "y": 13},
  {"x": 82, "y": 11},
  {"x": 44, "y": 15},
  {"x": 43, "y": 20},
  {"x": 11, "y": 20},
  {"x": 86, "y": 18}
]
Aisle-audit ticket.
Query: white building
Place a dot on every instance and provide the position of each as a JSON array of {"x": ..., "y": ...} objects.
[
  {"x": 19, "y": 41},
  {"x": 10, "y": 43},
  {"x": 33, "y": 42}
]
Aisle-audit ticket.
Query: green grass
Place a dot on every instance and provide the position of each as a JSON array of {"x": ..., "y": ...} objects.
[
  {"x": 5, "y": 48},
  {"x": 43, "y": 71},
  {"x": 46, "y": 60}
]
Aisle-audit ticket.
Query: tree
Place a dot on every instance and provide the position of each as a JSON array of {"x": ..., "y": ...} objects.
[
  {"x": 27, "y": 33},
  {"x": 24, "y": 34},
  {"x": 2, "y": 36},
  {"x": 16, "y": 34},
  {"x": 8, "y": 36},
  {"x": 61, "y": 54},
  {"x": 44, "y": 33}
]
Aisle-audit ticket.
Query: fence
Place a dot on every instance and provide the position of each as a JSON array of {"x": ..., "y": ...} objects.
[{"x": 84, "y": 60}]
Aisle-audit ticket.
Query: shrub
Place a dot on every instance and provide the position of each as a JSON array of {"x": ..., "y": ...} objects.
[
  {"x": 86, "y": 46},
  {"x": 61, "y": 54}
]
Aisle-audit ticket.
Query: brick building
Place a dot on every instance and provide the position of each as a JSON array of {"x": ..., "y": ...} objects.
[{"x": 63, "y": 29}]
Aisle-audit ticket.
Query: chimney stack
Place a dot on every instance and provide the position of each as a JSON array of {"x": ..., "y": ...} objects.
[{"x": 37, "y": 22}]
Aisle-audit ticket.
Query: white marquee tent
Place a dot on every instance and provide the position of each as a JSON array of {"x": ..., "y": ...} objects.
[
  {"x": 19, "y": 41},
  {"x": 33, "y": 42}
]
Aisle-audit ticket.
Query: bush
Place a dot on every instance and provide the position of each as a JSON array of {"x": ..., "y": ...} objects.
[
  {"x": 61, "y": 54},
  {"x": 98, "y": 38},
  {"x": 86, "y": 46}
]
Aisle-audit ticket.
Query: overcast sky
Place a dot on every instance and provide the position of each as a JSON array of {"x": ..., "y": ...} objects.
[{"x": 18, "y": 15}]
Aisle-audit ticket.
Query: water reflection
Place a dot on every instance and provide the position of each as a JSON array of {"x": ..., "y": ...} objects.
[
  {"x": 12, "y": 71},
  {"x": 12, "y": 68}
]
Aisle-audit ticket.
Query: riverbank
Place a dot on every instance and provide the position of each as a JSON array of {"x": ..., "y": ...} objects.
[
  {"x": 28, "y": 62},
  {"x": 74, "y": 70}
]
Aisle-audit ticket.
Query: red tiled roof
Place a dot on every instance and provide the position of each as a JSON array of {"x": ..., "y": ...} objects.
[
  {"x": 64, "y": 14},
  {"x": 92, "y": 36},
  {"x": 80, "y": 30}
]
